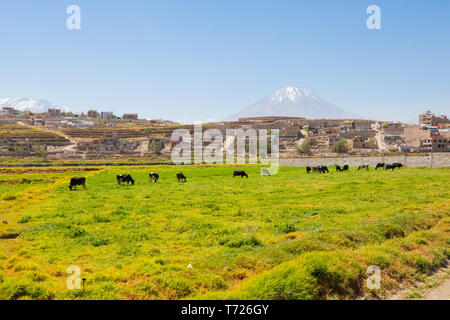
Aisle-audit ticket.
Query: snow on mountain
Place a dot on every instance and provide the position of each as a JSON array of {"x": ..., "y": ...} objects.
[
  {"x": 294, "y": 102},
  {"x": 26, "y": 104}
]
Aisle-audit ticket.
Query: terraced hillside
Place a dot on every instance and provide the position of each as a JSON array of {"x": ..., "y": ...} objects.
[
  {"x": 28, "y": 134},
  {"x": 122, "y": 132}
]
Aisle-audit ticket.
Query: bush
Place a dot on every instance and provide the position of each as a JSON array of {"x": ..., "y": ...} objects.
[
  {"x": 305, "y": 146},
  {"x": 423, "y": 264},
  {"x": 25, "y": 219},
  {"x": 19, "y": 289},
  {"x": 101, "y": 218},
  {"x": 176, "y": 288},
  {"x": 341, "y": 146},
  {"x": 393, "y": 231},
  {"x": 119, "y": 212},
  {"x": 75, "y": 232},
  {"x": 316, "y": 275},
  {"x": 287, "y": 227},
  {"x": 244, "y": 241},
  {"x": 98, "y": 239}
]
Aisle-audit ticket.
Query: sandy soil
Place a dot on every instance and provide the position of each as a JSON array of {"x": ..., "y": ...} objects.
[
  {"x": 440, "y": 293},
  {"x": 436, "y": 287}
]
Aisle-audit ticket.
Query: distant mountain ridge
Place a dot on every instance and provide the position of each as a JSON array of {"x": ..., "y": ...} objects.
[
  {"x": 26, "y": 104},
  {"x": 294, "y": 102}
]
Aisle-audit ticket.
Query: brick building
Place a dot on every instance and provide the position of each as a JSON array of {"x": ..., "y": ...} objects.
[
  {"x": 427, "y": 140},
  {"x": 107, "y": 115},
  {"x": 93, "y": 114},
  {"x": 431, "y": 120},
  {"x": 54, "y": 112},
  {"x": 130, "y": 116}
]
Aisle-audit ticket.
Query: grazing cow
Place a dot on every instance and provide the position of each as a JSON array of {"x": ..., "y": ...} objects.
[
  {"x": 398, "y": 165},
  {"x": 320, "y": 169},
  {"x": 125, "y": 178},
  {"x": 181, "y": 177},
  {"x": 78, "y": 181},
  {"x": 338, "y": 168},
  {"x": 380, "y": 165},
  {"x": 365, "y": 166},
  {"x": 240, "y": 173},
  {"x": 390, "y": 167},
  {"x": 153, "y": 176},
  {"x": 308, "y": 169},
  {"x": 345, "y": 168}
]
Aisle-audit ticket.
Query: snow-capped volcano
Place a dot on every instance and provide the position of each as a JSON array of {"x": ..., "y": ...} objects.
[
  {"x": 36, "y": 106},
  {"x": 294, "y": 102}
]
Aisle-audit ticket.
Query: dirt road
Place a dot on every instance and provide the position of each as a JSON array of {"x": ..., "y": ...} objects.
[{"x": 440, "y": 293}]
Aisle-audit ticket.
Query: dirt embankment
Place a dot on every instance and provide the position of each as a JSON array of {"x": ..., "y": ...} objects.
[{"x": 435, "y": 287}]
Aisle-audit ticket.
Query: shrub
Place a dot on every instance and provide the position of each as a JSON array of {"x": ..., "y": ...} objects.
[
  {"x": 19, "y": 289},
  {"x": 316, "y": 275},
  {"x": 305, "y": 146},
  {"x": 287, "y": 227},
  {"x": 101, "y": 218},
  {"x": 25, "y": 219},
  {"x": 75, "y": 232},
  {"x": 423, "y": 264},
  {"x": 98, "y": 239},
  {"x": 393, "y": 231},
  {"x": 244, "y": 241},
  {"x": 341, "y": 146},
  {"x": 119, "y": 212},
  {"x": 177, "y": 288}
]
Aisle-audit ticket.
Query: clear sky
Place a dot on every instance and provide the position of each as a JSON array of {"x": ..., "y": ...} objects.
[{"x": 207, "y": 59}]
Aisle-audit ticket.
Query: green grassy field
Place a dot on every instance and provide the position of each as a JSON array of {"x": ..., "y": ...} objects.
[{"x": 289, "y": 236}]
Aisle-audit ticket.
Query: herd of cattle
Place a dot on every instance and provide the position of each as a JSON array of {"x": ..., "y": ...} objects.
[
  {"x": 154, "y": 177},
  {"x": 324, "y": 169}
]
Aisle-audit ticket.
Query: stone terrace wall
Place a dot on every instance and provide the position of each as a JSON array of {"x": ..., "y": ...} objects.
[{"x": 433, "y": 160}]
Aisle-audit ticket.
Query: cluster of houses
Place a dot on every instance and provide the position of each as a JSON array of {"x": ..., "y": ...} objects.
[
  {"x": 362, "y": 137},
  {"x": 432, "y": 134},
  {"x": 56, "y": 118}
]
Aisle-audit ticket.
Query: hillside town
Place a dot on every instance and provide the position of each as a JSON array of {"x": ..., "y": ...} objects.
[{"x": 93, "y": 135}]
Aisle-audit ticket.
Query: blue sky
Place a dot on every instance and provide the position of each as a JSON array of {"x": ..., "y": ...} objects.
[{"x": 207, "y": 59}]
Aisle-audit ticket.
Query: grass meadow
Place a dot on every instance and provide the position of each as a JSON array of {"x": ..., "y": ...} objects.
[{"x": 289, "y": 236}]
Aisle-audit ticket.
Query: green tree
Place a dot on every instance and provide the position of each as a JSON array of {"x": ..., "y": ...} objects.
[
  {"x": 305, "y": 146},
  {"x": 341, "y": 146}
]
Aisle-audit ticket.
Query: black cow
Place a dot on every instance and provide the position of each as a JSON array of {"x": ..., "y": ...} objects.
[
  {"x": 240, "y": 173},
  {"x": 365, "y": 166},
  {"x": 398, "y": 165},
  {"x": 308, "y": 169},
  {"x": 320, "y": 169},
  {"x": 181, "y": 177},
  {"x": 77, "y": 181},
  {"x": 380, "y": 165},
  {"x": 125, "y": 178},
  {"x": 338, "y": 168},
  {"x": 345, "y": 168},
  {"x": 153, "y": 176},
  {"x": 390, "y": 167}
]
